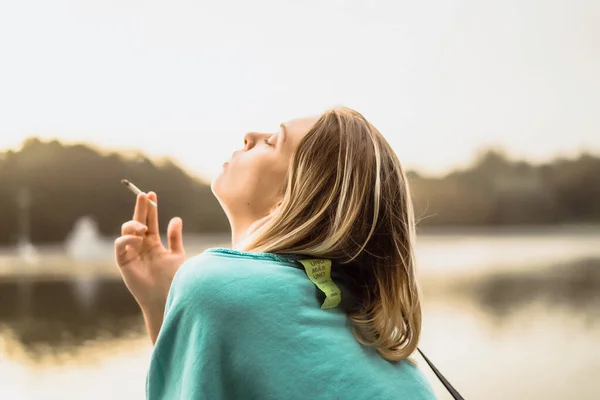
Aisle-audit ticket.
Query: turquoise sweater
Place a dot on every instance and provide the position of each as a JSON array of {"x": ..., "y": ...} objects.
[{"x": 249, "y": 326}]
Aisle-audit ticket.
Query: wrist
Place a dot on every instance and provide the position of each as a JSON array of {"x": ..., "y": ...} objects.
[
  {"x": 153, "y": 317},
  {"x": 153, "y": 309}
]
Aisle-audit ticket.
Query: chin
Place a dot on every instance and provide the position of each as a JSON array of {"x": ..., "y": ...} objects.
[
  {"x": 215, "y": 183},
  {"x": 221, "y": 188},
  {"x": 218, "y": 188}
]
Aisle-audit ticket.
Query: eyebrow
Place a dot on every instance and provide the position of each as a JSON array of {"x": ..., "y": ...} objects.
[{"x": 284, "y": 132}]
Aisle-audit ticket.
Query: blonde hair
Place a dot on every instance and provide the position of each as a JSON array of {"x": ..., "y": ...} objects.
[{"x": 347, "y": 199}]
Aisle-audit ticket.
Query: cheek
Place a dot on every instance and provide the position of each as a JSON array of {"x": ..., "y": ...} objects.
[{"x": 256, "y": 182}]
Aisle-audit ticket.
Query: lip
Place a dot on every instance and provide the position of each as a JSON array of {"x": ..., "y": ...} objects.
[{"x": 233, "y": 155}]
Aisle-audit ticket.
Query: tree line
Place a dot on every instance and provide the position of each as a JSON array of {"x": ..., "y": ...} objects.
[
  {"x": 497, "y": 191},
  {"x": 60, "y": 183}
]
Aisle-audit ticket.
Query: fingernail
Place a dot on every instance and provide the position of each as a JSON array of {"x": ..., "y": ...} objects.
[{"x": 140, "y": 227}]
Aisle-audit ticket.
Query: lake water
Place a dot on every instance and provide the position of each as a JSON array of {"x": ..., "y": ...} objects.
[{"x": 507, "y": 315}]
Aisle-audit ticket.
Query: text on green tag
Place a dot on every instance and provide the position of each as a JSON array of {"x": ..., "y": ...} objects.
[{"x": 319, "y": 272}]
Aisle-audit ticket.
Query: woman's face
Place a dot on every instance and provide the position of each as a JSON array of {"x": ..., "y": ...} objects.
[{"x": 251, "y": 182}]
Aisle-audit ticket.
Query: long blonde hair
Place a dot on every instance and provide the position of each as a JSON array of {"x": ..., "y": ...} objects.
[{"x": 347, "y": 199}]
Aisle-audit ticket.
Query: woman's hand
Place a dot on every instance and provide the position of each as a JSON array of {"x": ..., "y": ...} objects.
[{"x": 146, "y": 265}]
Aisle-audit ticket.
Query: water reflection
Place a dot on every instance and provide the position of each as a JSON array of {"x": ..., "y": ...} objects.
[
  {"x": 495, "y": 311},
  {"x": 575, "y": 285},
  {"x": 45, "y": 316}
]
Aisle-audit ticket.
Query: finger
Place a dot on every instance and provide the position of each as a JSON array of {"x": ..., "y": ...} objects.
[
  {"x": 175, "y": 235},
  {"x": 141, "y": 208},
  {"x": 152, "y": 218},
  {"x": 126, "y": 248},
  {"x": 133, "y": 228}
]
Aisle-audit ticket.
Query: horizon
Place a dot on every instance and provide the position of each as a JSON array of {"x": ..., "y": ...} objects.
[
  {"x": 136, "y": 153},
  {"x": 186, "y": 80}
]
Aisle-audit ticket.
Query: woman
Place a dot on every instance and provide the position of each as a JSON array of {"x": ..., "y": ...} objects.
[{"x": 322, "y": 200}]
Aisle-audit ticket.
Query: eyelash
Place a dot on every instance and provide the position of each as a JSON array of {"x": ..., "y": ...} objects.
[{"x": 268, "y": 143}]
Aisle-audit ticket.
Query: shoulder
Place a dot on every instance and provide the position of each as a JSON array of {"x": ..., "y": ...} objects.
[{"x": 223, "y": 284}]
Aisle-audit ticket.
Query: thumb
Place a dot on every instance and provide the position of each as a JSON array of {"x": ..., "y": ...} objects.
[{"x": 175, "y": 235}]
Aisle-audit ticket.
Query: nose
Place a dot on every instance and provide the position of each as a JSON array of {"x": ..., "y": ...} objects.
[{"x": 250, "y": 140}]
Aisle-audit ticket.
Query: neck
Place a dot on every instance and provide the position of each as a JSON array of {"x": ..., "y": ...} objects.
[{"x": 239, "y": 233}]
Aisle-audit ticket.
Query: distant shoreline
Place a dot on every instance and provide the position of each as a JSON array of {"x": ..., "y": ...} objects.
[
  {"x": 220, "y": 237},
  {"x": 510, "y": 229}
]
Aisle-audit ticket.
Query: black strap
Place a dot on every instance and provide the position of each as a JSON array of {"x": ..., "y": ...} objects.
[
  {"x": 437, "y": 373},
  {"x": 341, "y": 282}
]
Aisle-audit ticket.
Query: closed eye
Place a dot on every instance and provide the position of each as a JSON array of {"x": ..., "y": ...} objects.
[{"x": 269, "y": 143}]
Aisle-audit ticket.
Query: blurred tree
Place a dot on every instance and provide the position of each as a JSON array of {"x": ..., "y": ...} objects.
[
  {"x": 68, "y": 182},
  {"x": 497, "y": 191}
]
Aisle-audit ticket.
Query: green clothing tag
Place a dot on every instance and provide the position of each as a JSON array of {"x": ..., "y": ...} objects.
[{"x": 319, "y": 272}]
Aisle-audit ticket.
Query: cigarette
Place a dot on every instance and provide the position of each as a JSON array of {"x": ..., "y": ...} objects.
[{"x": 135, "y": 190}]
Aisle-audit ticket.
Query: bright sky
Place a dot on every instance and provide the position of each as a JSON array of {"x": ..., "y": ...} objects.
[{"x": 187, "y": 79}]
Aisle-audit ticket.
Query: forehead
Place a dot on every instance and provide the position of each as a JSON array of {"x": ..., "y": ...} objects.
[{"x": 297, "y": 128}]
